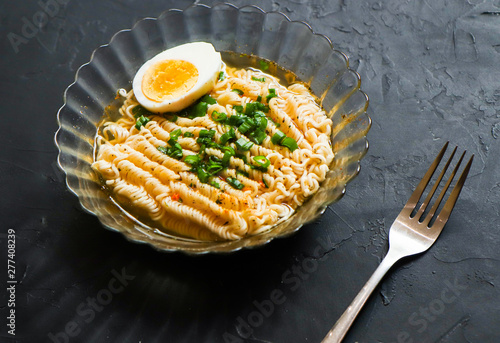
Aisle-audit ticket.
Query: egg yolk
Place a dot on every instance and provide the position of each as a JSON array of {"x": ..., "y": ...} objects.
[{"x": 169, "y": 79}]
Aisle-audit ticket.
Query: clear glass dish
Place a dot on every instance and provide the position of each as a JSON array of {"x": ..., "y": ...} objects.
[{"x": 247, "y": 30}]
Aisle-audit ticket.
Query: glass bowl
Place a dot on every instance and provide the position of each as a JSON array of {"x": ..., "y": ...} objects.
[{"x": 247, "y": 30}]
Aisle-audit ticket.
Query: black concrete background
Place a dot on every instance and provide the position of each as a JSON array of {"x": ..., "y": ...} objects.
[{"x": 431, "y": 69}]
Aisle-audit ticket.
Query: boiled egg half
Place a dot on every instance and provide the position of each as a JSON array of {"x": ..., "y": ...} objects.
[{"x": 177, "y": 77}]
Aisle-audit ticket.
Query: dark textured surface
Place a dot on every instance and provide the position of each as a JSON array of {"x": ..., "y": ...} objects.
[{"x": 431, "y": 69}]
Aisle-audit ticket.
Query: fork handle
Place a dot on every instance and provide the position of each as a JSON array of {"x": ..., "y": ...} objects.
[{"x": 337, "y": 333}]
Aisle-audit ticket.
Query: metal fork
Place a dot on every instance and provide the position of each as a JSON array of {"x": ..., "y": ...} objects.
[{"x": 411, "y": 233}]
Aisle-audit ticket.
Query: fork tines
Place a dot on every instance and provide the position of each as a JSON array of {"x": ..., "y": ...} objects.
[{"x": 445, "y": 212}]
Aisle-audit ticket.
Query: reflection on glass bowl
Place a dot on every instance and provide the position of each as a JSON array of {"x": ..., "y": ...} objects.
[{"x": 247, "y": 30}]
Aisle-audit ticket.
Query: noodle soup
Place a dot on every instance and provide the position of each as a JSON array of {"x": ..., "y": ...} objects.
[{"x": 236, "y": 162}]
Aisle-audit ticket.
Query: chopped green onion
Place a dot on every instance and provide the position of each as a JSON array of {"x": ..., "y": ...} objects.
[
  {"x": 202, "y": 175},
  {"x": 197, "y": 110},
  {"x": 207, "y": 133},
  {"x": 235, "y": 183},
  {"x": 257, "y": 114},
  {"x": 214, "y": 159},
  {"x": 243, "y": 144},
  {"x": 238, "y": 91},
  {"x": 278, "y": 137},
  {"x": 214, "y": 168},
  {"x": 227, "y": 136},
  {"x": 238, "y": 108},
  {"x": 175, "y": 153},
  {"x": 236, "y": 120},
  {"x": 227, "y": 157},
  {"x": 248, "y": 124},
  {"x": 138, "y": 111},
  {"x": 251, "y": 107},
  {"x": 215, "y": 184},
  {"x": 261, "y": 122},
  {"x": 258, "y": 136},
  {"x": 262, "y": 79},
  {"x": 203, "y": 140},
  {"x": 218, "y": 117},
  {"x": 173, "y": 118},
  {"x": 259, "y": 98},
  {"x": 265, "y": 183},
  {"x": 208, "y": 99},
  {"x": 141, "y": 121},
  {"x": 172, "y": 142},
  {"x": 175, "y": 134},
  {"x": 229, "y": 149},
  {"x": 221, "y": 76},
  {"x": 262, "y": 162},
  {"x": 187, "y": 134},
  {"x": 263, "y": 65},
  {"x": 191, "y": 159},
  {"x": 162, "y": 149},
  {"x": 290, "y": 143},
  {"x": 272, "y": 94}
]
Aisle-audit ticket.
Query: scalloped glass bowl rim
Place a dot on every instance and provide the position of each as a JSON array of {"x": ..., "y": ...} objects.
[{"x": 195, "y": 251}]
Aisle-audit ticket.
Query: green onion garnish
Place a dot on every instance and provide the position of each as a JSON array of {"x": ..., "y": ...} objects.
[
  {"x": 259, "y": 114},
  {"x": 191, "y": 159},
  {"x": 197, "y": 110},
  {"x": 227, "y": 136},
  {"x": 257, "y": 136},
  {"x": 272, "y": 94},
  {"x": 141, "y": 121},
  {"x": 175, "y": 134},
  {"x": 221, "y": 76},
  {"x": 248, "y": 124},
  {"x": 290, "y": 143},
  {"x": 252, "y": 107},
  {"x": 278, "y": 137},
  {"x": 262, "y": 79},
  {"x": 215, "y": 184},
  {"x": 207, "y": 133},
  {"x": 174, "y": 151},
  {"x": 214, "y": 168},
  {"x": 236, "y": 120},
  {"x": 259, "y": 98},
  {"x": 263, "y": 65},
  {"x": 173, "y": 118},
  {"x": 228, "y": 148},
  {"x": 202, "y": 175},
  {"x": 162, "y": 149},
  {"x": 187, "y": 134},
  {"x": 227, "y": 157},
  {"x": 265, "y": 183},
  {"x": 138, "y": 111},
  {"x": 262, "y": 161},
  {"x": 218, "y": 117},
  {"x": 238, "y": 91},
  {"x": 235, "y": 183},
  {"x": 208, "y": 99},
  {"x": 261, "y": 122},
  {"x": 238, "y": 108},
  {"x": 243, "y": 144}
]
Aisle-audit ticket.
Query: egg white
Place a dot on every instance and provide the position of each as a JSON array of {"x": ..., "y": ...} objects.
[{"x": 206, "y": 60}]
